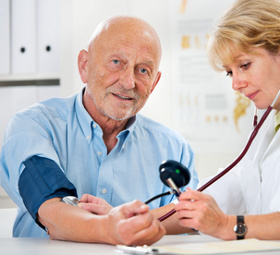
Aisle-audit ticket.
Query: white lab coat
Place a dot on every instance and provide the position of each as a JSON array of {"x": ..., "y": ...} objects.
[{"x": 253, "y": 186}]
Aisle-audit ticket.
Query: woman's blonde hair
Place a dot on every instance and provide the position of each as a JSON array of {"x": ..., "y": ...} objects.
[{"x": 246, "y": 25}]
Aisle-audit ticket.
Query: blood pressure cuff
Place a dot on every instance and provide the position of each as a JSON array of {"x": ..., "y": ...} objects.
[{"x": 41, "y": 180}]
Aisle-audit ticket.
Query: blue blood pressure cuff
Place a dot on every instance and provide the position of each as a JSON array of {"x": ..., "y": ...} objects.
[{"x": 41, "y": 180}]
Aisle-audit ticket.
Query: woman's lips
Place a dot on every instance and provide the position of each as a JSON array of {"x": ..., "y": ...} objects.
[{"x": 251, "y": 96}]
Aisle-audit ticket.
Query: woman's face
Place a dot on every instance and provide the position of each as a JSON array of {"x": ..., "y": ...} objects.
[{"x": 256, "y": 75}]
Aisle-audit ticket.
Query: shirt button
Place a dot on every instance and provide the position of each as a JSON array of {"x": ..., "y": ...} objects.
[
  {"x": 99, "y": 153},
  {"x": 94, "y": 125},
  {"x": 88, "y": 137},
  {"x": 104, "y": 191}
]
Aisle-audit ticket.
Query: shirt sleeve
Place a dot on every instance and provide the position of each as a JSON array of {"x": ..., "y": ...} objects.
[
  {"x": 227, "y": 192},
  {"x": 24, "y": 138}
]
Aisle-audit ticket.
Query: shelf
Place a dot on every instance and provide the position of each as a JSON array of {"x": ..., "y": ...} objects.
[
  {"x": 29, "y": 76},
  {"x": 30, "y": 80}
]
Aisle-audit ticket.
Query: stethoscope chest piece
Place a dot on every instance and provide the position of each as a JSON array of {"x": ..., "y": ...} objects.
[{"x": 176, "y": 171}]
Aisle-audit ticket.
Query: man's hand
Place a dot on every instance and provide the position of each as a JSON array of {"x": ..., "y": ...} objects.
[
  {"x": 130, "y": 223},
  {"x": 94, "y": 205},
  {"x": 133, "y": 224}
]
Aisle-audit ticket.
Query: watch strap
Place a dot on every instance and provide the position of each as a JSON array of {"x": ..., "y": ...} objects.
[
  {"x": 240, "y": 228},
  {"x": 240, "y": 219}
]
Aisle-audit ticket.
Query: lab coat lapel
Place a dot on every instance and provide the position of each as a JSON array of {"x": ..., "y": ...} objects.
[
  {"x": 266, "y": 138},
  {"x": 270, "y": 139}
]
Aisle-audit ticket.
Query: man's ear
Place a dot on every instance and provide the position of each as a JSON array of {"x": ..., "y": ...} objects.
[
  {"x": 156, "y": 80},
  {"x": 82, "y": 65}
]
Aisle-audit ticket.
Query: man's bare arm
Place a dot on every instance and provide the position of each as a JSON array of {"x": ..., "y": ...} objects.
[{"x": 131, "y": 223}]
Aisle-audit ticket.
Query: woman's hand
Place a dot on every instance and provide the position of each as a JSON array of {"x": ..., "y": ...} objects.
[
  {"x": 94, "y": 204},
  {"x": 201, "y": 212}
]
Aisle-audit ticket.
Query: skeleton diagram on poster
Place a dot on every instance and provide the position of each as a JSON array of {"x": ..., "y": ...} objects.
[{"x": 210, "y": 115}]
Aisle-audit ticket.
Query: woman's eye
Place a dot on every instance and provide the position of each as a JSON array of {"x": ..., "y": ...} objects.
[
  {"x": 246, "y": 66},
  {"x": 229, "y": 73}
]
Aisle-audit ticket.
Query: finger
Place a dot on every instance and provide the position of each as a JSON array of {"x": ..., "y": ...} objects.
[
  {"x": 92, "y": 199},
  {"x": 90, "y": 207},
  {"x": 185, "y": 205},
  {"x": 139, "y": 222},
  {"x": 142, "y": 230},
  {"x": 185, "y": 214},
  {"x": 134, "y": 208},
  {"x": 85, "y": 198},
  {"x": 96, "y": 209},
  {"x": 149, "y": 235},
  {"x": 190, "y": 194},
  {"x": 188, "y": 222}
]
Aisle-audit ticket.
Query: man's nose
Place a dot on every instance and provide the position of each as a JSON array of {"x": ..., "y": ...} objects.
[{"x": 127, "y": 78}]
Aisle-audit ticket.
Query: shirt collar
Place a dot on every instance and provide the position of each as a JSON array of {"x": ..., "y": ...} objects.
[
  {"x": 83, "y": 117},
  {"x": 129, "y": 127}
]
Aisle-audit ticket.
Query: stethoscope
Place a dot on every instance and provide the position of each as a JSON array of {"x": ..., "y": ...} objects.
[
  {"x": 171, "y": 168},
  {"x": 175, "y": 175}
]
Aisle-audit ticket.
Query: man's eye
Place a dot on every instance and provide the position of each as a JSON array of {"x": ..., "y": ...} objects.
[
  {"x": 115, "y": 61},
  {"x": 143, "y": 70}
]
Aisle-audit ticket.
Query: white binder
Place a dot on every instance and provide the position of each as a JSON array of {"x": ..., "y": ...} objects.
[
  {"x": 23, "y": 36},
  {"x": 5, "y": 37},
  {"x": 48, "y": 36}
]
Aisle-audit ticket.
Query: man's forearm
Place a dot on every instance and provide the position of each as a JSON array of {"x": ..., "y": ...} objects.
[
  {"x": 129, "y": 224},
  {"x": 66, "y": 222}
]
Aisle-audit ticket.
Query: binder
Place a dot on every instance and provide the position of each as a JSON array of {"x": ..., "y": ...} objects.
[
  {"x": 5, "y": 37},
  {"x": 48, "y": 36},
  {"x": 23, "y": 36}
]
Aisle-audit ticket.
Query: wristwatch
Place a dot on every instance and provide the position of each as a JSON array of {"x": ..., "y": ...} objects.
[
  {"x": 70, "y": 200},
  {"x": 240, "y": 228}
]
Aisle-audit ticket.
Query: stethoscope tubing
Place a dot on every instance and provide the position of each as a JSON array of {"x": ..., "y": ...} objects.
[
  {"x": 235, "y": 162},
  {"x": 252, "y": 136}
]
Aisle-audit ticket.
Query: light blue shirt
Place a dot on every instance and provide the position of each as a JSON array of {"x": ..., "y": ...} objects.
[{"x": 62, "y": 130}]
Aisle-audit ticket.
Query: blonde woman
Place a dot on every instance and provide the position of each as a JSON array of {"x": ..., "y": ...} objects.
[{"x": 245, "y": 203}]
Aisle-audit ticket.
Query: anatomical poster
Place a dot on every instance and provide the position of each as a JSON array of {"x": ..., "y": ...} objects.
[{"x": 207, "y": 111}]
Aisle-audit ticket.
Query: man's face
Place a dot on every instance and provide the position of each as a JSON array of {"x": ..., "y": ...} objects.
[{"x": 122, "y": 71}]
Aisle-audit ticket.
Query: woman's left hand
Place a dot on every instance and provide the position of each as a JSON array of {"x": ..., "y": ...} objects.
[{"x": 201, "y": 212}]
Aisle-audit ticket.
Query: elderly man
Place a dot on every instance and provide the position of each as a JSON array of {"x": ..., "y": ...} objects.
[{"x": 95, "y": 143}]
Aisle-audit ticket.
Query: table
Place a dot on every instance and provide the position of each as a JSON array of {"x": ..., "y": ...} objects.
[{"x": 40, "y": 246}]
